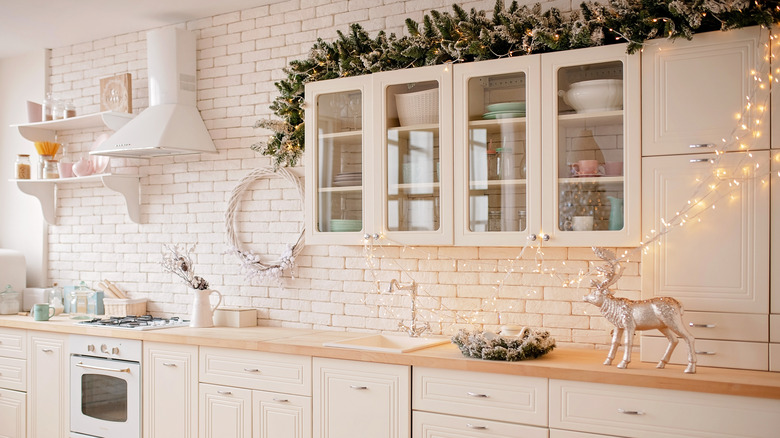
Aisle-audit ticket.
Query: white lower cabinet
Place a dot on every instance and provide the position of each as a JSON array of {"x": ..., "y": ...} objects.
[
  {"x": 651, "y": 413},
  {"x": 13, "y": 414},
  {"x": 361, "y": 399},
  {"x": 558, "y": 433},
  {"x": 277, "y": 415},
  {"x": 170, "y": 390},
  {"x": 225, "y": 412},
  {"x": 430, "y": 425},
  {"x": 48, "y": 395}
]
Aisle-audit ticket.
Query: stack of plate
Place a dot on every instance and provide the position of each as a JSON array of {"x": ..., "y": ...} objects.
[
  {"x": 345, "y": 225},
  {"x": 348, "y": 179},
  {"x": 505, "y": 110}
]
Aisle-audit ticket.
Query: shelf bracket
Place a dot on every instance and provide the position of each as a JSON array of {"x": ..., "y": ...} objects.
[
  {"x": 129, "y": 187},
  {"x": 45, "y": 194}
]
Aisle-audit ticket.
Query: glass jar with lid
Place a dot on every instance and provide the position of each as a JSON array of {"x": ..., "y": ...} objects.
[
  {"x": 22, "y": 166},
  {"x": 10, "y": 302},
  {"x": 46, "y": 108},
  {"x": 79, "y": 301},
  {"x": 50, "y": 170}
]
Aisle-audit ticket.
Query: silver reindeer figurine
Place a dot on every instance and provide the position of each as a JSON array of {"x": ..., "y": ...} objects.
[{"x": 662, "y": 313}]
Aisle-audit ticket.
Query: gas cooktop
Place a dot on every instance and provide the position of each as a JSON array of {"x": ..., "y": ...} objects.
[{"x": 143, "y": 322}]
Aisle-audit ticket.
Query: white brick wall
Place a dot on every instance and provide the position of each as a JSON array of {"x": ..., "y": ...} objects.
[{"x": 240, "y": 55}]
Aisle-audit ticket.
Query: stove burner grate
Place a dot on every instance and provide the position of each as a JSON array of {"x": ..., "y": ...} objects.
[{"x": 142, "y": 322}]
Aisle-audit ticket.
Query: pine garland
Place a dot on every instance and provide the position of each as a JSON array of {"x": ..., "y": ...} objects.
[{"x": 463, "y": 36}]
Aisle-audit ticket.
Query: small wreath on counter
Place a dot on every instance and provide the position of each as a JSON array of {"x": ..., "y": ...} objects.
[
  {"x": 529, "y": 344},
  {"x": 252, "y": 264}
]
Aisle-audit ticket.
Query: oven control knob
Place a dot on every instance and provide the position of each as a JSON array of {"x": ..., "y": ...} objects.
[
  {"x": 115, "y": 350},
  {"x": 91, "y": 348},
  {"x": 104, "y": 348}
]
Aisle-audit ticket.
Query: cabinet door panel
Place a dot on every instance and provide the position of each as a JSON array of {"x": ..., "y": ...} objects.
[
  {"x": 170, "y": 390},
  {"x": 430, "y": 425},
  {"x": 13, "y": 343},
  {"x": 48, "y": 400},
  {"x": 225, "y": 412},
  {"x": 12, "y": 414},
  {"x": 722, "y": 262},
  {"x": 682, "y": 106},
  {"x": 775, "y": 221},
  {"x": 13, "y": 374},
  {"x": 354, "y": 399},
  {"x": 277, "y": 415}
]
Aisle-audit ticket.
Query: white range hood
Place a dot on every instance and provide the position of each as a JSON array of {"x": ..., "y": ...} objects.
[{"x": 171, "y": 125}]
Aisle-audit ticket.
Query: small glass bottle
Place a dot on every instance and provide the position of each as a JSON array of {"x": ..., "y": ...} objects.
[
  {"x": 46, "y": 108},
  {"x": 22, "y": 166},
  {"x": 492, "y": 162},
  {"x": 50, "y": 170},
  {"x": 505, "y": 163},
  {"x": 42, "y": 159},
  {"x": 58, "y": 110},
  {"x": 70, "y": 109}
]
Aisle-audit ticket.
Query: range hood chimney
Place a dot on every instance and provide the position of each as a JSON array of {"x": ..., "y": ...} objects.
[{"x": 171, "y": 125}]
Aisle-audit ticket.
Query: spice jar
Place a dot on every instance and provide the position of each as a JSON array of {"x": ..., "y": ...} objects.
[
  {"x": 46, "y": 108},
  {"x": 50, "y": 170},
  {"x": 22, "y": 166},
  {"x": 42, "y": 159},
  {"x": 70, "y": 110},
  {"x": 58, "y": 110}
]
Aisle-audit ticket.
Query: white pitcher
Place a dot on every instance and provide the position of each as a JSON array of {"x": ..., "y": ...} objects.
[{"x": 202, "y": 311}]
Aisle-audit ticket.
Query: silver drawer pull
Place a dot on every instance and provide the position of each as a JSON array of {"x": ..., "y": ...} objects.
[
  {"x": 627, "y": 412},
  {"x": 46, "y": 350},
  {"x": 701, "y": 145},
  {"x": 478, "y": 395},
  {"x": 701, "y": 325},
  {"x": 472, "y": 426},
  {"x": 116, "y": 370},
  {"x": 224, "y": 392},
  {"x": 699, "y": 160},
  {"x": 280, "y": 400},
  {"x": 169, "y": 364},
  {"x": 358, "y": 387},
  {"x": 251, "y": 370},
  {"x": 706, "y": 353}
]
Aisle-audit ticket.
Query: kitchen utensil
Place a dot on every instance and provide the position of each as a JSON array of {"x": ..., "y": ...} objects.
[
  {"x": 117, "y": 292},
  {"x": 106, "y": 290}
]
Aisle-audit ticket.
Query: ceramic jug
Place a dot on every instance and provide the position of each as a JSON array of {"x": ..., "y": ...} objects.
[
  {"x": 202, "y": 311},
  {"x": 615, "y": 213}
]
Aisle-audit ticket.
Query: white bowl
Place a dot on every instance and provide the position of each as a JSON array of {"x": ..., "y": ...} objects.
[{"x": 596, "y": 95}]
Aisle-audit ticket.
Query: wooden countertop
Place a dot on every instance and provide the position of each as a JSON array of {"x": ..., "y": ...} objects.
[{"x": 561, "y": 363}]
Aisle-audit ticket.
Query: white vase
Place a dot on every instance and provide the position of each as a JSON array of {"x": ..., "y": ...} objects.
[{"x": 202, "y": 311}]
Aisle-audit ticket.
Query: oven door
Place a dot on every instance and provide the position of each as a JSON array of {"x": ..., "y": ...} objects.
[{"x": 105, "y": 397}]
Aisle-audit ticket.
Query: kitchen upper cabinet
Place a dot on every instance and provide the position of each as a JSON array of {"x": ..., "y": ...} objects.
[
  {"x": 719, "y": 260},
  {"x": 225, "y": 412},
  {"x": 361, "y": 399},
  {"x": 692, "y": 91},
  {"x": 170, "y": 390},
  {"x": 48, "y": 401}
]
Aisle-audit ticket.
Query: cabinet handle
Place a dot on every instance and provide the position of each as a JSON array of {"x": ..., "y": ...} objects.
[
  {"x": 114, "y": 370},
  {"x": 701, "y": 325},
  {"x": 532, "y": 237},
  {"x": 358, "y": 387},
  {"x": 280, "y": 400},
  {"x": 478, "y": 395},
  {"x": 706, "y": 353},
  {"x": 251, "y": 370},
  {"x": 699, "y": 160},
  {"x": 169, "y": 364},
  {"x": 46, "y": 350},
  {"x": 627, "y": 412},
  {"x": 701, "y": 145},
  {"x": 224, "y": 392},
  {"x": 472, "y": 426}
]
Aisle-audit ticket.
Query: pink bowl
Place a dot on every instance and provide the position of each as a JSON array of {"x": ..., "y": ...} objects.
[{"x": 83, "y": 167}]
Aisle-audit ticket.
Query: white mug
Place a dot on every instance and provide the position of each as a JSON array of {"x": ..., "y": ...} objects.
[{"x": 582, "y": 223}]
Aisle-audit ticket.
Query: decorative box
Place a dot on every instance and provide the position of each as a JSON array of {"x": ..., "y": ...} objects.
[{"x": 235, "y": 317}]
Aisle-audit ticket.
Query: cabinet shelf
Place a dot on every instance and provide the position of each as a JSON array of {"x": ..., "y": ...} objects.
[
  {"x": 46, "y": 131},
  {"x": 342, "y": 135},
  {"x": 601, "y": 118},
  {"x": 408, "y": 186},
  {"x": 340, "y": 189},
  {"x": 607, "y": 180},
  {"x": 410, "y": 128},
  {"x": 44, "y": 189},
  {"x": 479, "y": 123},
  {"x": 480, "y": 184}
]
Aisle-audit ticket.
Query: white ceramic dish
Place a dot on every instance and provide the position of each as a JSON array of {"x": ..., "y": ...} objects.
[{"x": 595, "y": 95}]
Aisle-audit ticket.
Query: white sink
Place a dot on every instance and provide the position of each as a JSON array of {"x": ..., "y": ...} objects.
[{"x": 387, "y": 343}]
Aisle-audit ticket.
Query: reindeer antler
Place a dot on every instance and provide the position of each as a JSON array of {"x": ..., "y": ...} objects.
[{"x": 609, "y": 270}]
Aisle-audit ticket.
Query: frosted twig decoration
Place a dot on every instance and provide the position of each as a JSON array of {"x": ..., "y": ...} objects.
[{"x": 177, "y": 261}]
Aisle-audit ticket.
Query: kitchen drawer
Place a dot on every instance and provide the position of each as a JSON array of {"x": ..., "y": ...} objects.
[
  {"x": 725, "y": 326},
  {"x": 12, "y": 343},
  {"x": 558, "y": 433},
  {"x": 774, "y": 357},
  {"x": 13, "y": 413},
  {"x": 13, "y": 374},
  {"x": 774, "y": 327},
  {"x": 650, "y": 413},
  {"x": 430, "y": 425},
  {"x": 255, "y": 370},
  {"x": 709, "y": 353},
  {"x": 500, "y": 397}
]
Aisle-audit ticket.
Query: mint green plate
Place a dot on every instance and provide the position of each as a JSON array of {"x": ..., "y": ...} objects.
[
  {"x": 506, "y": 106},
  {"x": 503, "y": 115}
]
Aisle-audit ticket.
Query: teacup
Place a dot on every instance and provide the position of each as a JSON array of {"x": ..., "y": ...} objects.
[
  {"x": 42, "y": 312},
  {"x": 587, "y": 168}
]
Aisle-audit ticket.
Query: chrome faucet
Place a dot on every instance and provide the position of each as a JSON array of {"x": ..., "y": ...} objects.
[{"x": 416, "y": 328}]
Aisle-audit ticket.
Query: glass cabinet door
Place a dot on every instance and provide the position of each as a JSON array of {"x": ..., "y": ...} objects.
[
  {"x": 335, "y": 153},
  {"x": 592, "y": 123},
  {"x": 497, "y": 122},
  {"x": 416, "y": 154}
]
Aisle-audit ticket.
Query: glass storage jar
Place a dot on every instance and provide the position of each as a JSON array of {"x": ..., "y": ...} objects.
[
  {"x": 22, "y": 166},
  {"x": 10, "y": 302},
  {"x": 50, "y": 170}
]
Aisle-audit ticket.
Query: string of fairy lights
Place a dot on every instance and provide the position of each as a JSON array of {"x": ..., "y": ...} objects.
[{"x": 722, "y": 182}]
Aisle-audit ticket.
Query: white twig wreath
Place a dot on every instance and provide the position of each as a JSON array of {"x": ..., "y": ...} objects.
[{"x": 251, "y": 263}]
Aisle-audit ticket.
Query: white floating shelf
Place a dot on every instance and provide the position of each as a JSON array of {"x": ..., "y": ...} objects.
[
  {"x": 44, "y": 189},
  {"x": 45, "y": 131}
]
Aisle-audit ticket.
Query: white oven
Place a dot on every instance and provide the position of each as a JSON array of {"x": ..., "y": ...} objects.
[{"x": 105, "y": 383}]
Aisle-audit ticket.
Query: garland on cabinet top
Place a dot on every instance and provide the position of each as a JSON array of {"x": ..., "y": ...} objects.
[{"x": 472, "y": 36}]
